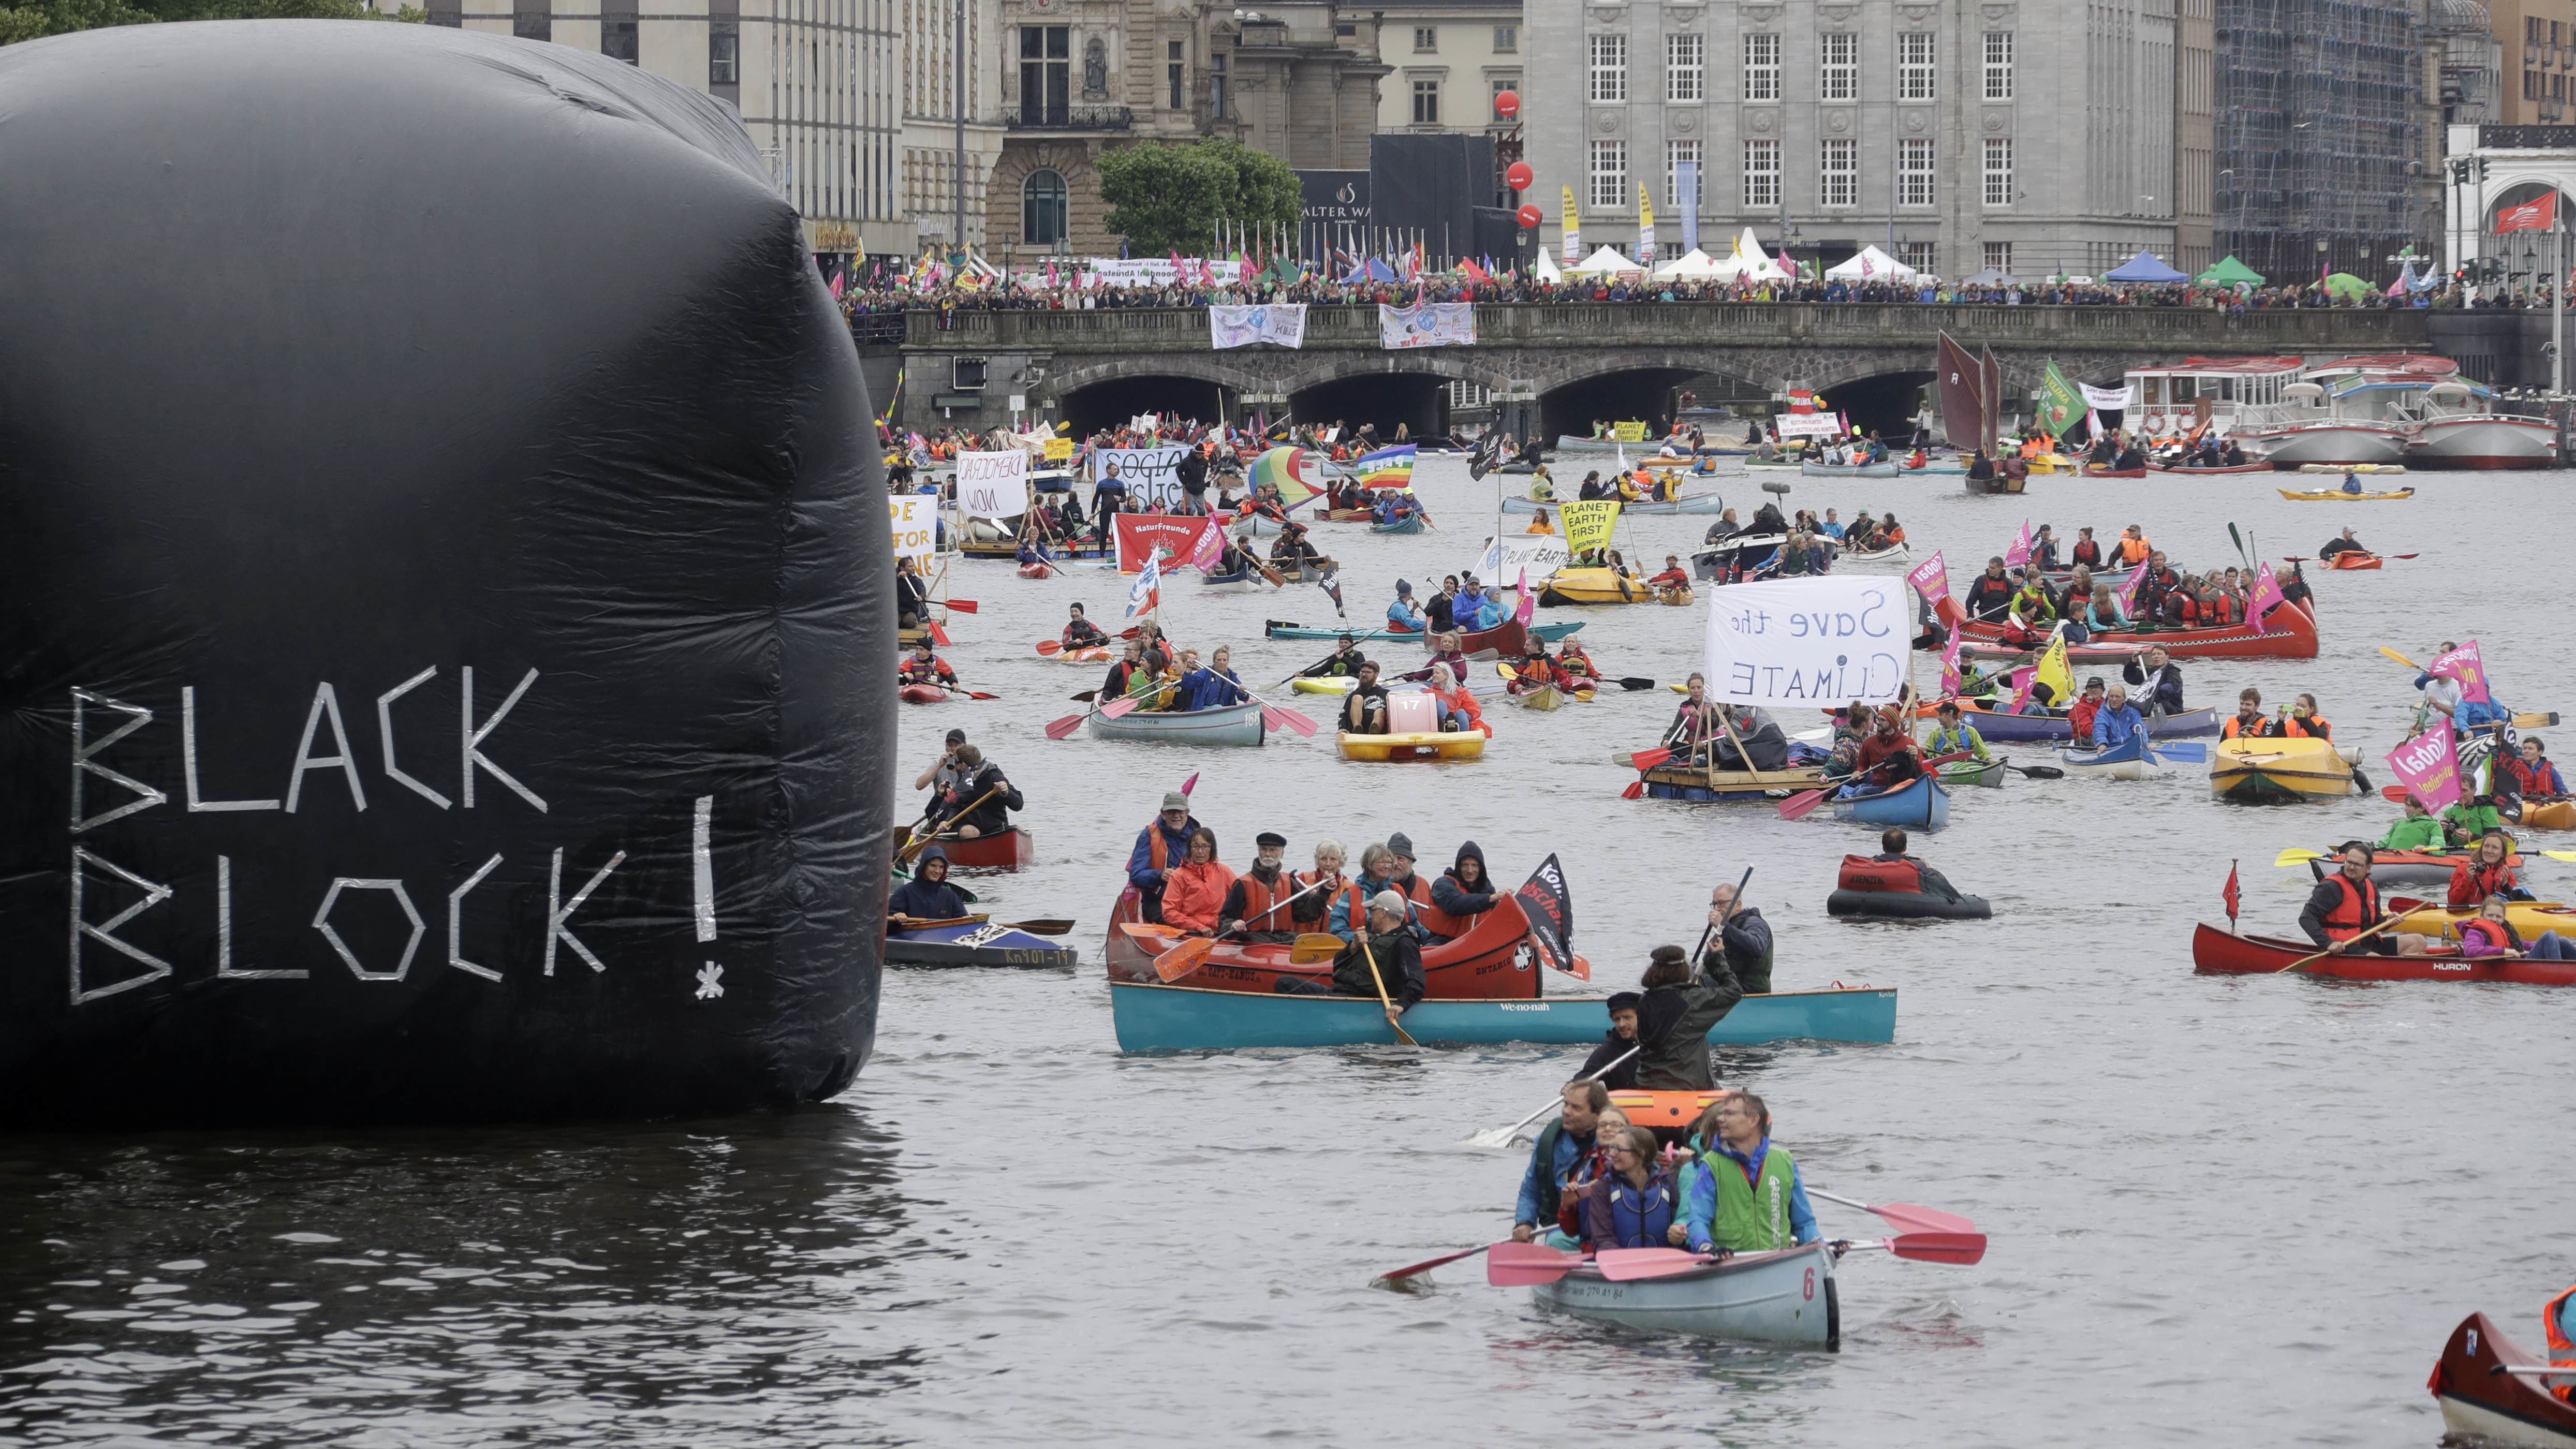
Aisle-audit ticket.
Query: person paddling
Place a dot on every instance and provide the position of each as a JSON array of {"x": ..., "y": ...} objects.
[
  {"x": 2345, "y": 904},
  {"x": 1256, "y": 906},
  {"x": 1744, "y": 1194},
  {"x": 2342, "y": 543},
  {"x": 1674, "y": 1014},
  {"x": 927, "y": 896},
  {"x": 1742, "y": 944},
  {"x": 1560, "y": 1149},
  {"x": 1386, "y": 959},
  {"x": 1401, "y": 616},
  {"x": 1955, "y": 735},
  {"x": 1343, "y": 663},
  {"x": 1081, "y": 633}
]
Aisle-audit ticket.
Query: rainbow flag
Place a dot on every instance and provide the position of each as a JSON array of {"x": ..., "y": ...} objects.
[{"x": 1386, "y": 468}]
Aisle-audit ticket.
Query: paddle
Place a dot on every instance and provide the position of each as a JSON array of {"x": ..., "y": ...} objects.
[
  {"x": 1502, "y": 1136},
  {"x": 1179, "y": 961},
  {"x": 938, "y": 635},
  {"x": 916, "y": 847},
  {"x": 1524, "y": 1265},
  {"x": 963, "y": 606},
  {"x": 1905, "y": 1216},
  {"x": 1050, "y": 647},
  {"x": 1314, "y": 946},
  {"x": 1277, "y": 716},
  {"x": 2364, "y": 936},
  {"x": 1370, "y": 956},
  {"x": 2036, "y": 772},
  {"x": 1632, "y": 683},
  {"x": 1627, "y": 1265},
  {"x": 1043, "y": 926},
  {"x": 1356, "y": 640}
]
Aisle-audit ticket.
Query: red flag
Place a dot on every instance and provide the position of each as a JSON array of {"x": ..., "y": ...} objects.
[
  {"x": 2540, "y": 215},
  {"x": 2229, "y": 895}
]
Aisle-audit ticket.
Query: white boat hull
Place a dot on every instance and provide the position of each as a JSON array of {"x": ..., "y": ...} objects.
[
  {"x": 2484, "y": 442},
  {"x": 2476, "y": 1421},
  {"x": 1782, "y": 1297},
  {"x": 2329, "y": 443}
]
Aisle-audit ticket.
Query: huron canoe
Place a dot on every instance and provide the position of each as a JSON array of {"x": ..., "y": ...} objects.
[
  {"x": 1918, "y": 804},
  {"x": 1153, "y": 1017},
  {"x": 975, "y": 943},
  {"x": 1493, "y": 961},
  {"x": 2485, "y": 1402},
  {"x": 2288, "y": 633},
  {"x": 1227, "y": 724},
  {"x": 1785, "y": 1296},
  {"x": 2275, "y": 771},
  {"x": 2337, "y": 495},
  {"x": 2218, "y": 952}
]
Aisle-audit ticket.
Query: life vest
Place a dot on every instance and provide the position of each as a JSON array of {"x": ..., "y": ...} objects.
[
  {"x": 2554, "y": 1317},
  {"x": 2482, "y": 881},
  {"x": 1752, "y": 1215},
  {"x": 2498, "y": 934},
  {"x": 1311, "y": 908},
  {"x": 1640, "y": 1216},
  {"x": 2357, "y": 912},
  {"x": 1860, "y": 873},
  {"x": 1440, "y": 922},
  {"x": 2312, "y": 728},
  {"x": 2087, "y": 553},
  {"x": 1258, "y": 898},
  {"x": 2134, "y": 551},
  {"x": 1355, "y": 901},
  {"x": 2236, "y": 728}
]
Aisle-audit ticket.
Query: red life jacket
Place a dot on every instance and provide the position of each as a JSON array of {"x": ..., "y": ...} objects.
[
  {"x": 2498, "y": 934},
  {"x": 2087, "y": 553},
  {"x": 1440, "y": 922},
  {"x": 2472, "y": 883},
  {"x": 2357, "y": 912},
  {"x": 2561, "y": 1349},
  {"x": 1860, "y": 873},
  {"x": 1258, "y": 898}
]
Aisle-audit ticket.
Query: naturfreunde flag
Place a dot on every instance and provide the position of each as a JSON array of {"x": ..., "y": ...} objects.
[{"x": 2060, "y": 405}]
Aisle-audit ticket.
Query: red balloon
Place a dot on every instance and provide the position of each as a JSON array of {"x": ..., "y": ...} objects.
[
  {"x": 1507, "y": 104},
  {"x": 1531, "y": 216},
  {"x": 1519, "y": 177}
]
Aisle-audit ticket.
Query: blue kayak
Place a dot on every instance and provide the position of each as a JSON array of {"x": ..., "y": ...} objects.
[
  {"x": 1918, "y": 804},
  {"x": 1154, "y": 1018},
  {"x": 975, "y": 943}
]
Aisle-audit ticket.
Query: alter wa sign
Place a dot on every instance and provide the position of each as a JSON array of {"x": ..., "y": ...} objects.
[{"x": 1821, "y": 642}]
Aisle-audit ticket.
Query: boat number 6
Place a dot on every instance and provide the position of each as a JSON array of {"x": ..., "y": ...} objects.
[{"x": 1811, "y": 1284}]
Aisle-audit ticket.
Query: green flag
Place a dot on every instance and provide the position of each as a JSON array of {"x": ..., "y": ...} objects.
[{"x": 2060, "y": 405}]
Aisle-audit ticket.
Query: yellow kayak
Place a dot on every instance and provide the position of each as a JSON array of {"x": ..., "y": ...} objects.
[
  {"x": 2329, "y": 495},
  {"x": 1327, "y": 684},
  {"x": 2277, "y": 771},
  {"x": 2550, "y": 815},
  {"x": 1463, "y": 745},
  {"x": 2052, "y": 463},
  {"x": 2528, "y": 919},
  {"x": 1593, "y": 586}
]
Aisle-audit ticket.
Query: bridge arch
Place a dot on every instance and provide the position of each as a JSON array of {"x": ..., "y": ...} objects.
[
  {"x": 1410, "y": 388},
  {"x": 1107, "y": 394}
]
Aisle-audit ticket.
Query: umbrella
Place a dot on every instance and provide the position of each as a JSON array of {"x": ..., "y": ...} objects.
[{"x": 2345, "y": 284}]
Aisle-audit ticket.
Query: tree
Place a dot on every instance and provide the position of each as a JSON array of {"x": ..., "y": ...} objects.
[
  {"x": 34, "y": 19},
  {"x": 1169, "y": 198}
]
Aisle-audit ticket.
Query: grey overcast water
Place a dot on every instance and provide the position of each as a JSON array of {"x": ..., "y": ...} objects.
[{"x": 2223, "y": 1210}]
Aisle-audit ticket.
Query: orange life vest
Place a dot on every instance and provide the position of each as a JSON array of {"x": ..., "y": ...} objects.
[
  {"x": 2134, "y": 551},
  {"x": 1440, "y": 922},
  {"x": 1313, "y": 908},
  {"x": 1860, "y": 873},
  {"x": 2357, "y": 912},
  {"x": 2561, "y": 1349},
  {"x": 2313, "y": 727},
  {"x": 1259, "y": 898},
  {"x": 2235, "y": 729}
]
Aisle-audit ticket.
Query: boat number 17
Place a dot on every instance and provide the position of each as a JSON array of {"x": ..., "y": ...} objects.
[{"x": 1811, "y": 1285}]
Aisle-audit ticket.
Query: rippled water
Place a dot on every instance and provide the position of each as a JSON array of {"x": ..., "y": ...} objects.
[{"x": 2223, "y": 1210}]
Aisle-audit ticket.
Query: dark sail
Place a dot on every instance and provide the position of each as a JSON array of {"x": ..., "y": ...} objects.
[
  {"x": 1963, "y": 406},
  {"x": 1992, "y": 388}
]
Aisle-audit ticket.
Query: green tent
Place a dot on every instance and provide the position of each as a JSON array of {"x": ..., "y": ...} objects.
[
  {"x": 2229, "y": 273},
  {"x": 2345, "y": 284}
]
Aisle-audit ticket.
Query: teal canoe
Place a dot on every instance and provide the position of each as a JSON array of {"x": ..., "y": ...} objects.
[
  {"x": 1155, "y": 1018},
  {"x": 1409, "y": 523},
  {"x": 1277, "y": 630}
]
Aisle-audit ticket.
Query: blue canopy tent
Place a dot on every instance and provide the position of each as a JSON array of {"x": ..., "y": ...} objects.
[{"x": 2143, "y": 268}]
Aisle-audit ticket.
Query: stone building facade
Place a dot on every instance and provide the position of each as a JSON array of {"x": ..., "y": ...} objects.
[{"x": 1446, "y": 61}]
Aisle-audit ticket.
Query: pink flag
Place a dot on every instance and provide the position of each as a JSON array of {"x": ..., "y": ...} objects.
[
  {"x": 2022, "y": 680},
  {"x": 1931, "y": 579},
  {"x": 2267, "y": 592},
  {"x": 2019, "y": 553},
  {"x": 1950, "y": 681},
  {"x": 1528, "y": 605},
  {"x": 1208, "y": 549},
  {"x": 836, "y": 286},
  {"x": 2465, "y": 665},
  {"x": 2129, "y": 590},
  {"x": 2429, "y": 766}
]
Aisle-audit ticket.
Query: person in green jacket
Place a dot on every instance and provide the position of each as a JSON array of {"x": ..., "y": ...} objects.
[
  {"x": 1955, "y": 735},
  {"x": 2418, "y": 831},
  {"x": 2469, "y": 818}
]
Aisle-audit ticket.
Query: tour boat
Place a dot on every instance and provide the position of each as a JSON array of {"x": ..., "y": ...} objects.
[
  {"x": 1786, "y": 1296},
  {"x": 1152, "y": 1017},
  {"x": 2493, "y": 1391},
  {"x": 2212, "y": 394},
  {"x": 2218, "y": 952}
]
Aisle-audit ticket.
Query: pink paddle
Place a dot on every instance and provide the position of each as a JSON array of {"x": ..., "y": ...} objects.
[
  {"x": 1905, "y": 1217},
  {"x": 1520, "y": 1265}
]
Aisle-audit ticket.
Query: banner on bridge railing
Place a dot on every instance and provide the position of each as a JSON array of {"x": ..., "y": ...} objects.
[
  {"x": 1433, "y": 324},
  {"x": 1283, "y": 323}
]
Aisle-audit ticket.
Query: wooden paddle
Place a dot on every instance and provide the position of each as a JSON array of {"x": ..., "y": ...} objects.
[
  {"x": 2329, "y": 951},
  {"x": 1356, "y": 640},
  {"x": 914, "y": 848},
  {"x": 1370, "y": 956},
  {"x": 1315, "y": 946}
]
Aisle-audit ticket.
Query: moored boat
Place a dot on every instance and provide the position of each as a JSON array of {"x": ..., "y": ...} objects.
[
  {"x": 1918, "y": 804},
  {"x": 1786, "y": 1296},
  {"x": 1227, "y": 724},
  {"x": 2288, "y": 632},
  {"x": 1155, "y": 1017},
  {"x": 2222, "y": 953},
  {"x": 2485, "y": 1400},
  {"x": 975, "y": 943},
  {"x": 2277, "y": 771},
  {"x": 2483, "y": 440}
]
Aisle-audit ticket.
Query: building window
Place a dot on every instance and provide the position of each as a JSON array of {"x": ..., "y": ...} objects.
[
  {"x": 1046, "y": 74},
  {"x": 1426, "y": 39},
  {"x": 1999, "y": 257},
  {"x": 533, "y": 20},
  {"x": 2531, "y": 30},
  {"x": 1999, "y": 65},
  {"x": 1609, "y": 68},
  {"x": 1216, "y": 86},
  {"x": 1678, "y": 154},
  {"x": 617, "y": 35},
  {"x": 1042, "y": 209},
  {"x": 1501, "y": 84},
  {"x": 1426, "y": 103},
  {"x": 724, "y": 53},
  {"x": 1917, "y": 255},
  {"x": 1838, "y": 76},
  {"x": 1174, "y": 72},
  {"x": 1507, "y": 40},
  {"x": 1914, "y": 66},
  {"x": 1761, "y": 67},
  {"x": 1762, "y": 173},
  {"x": 1609, "y": 173},
  {"x": 1999, "y": 175},
  {"x": 1914, "y": 171},
  {"x": 1685, "y": 74},
  {"x": 1838, "y": 173}
]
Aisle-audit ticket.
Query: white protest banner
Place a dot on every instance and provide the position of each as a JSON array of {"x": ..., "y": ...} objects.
[
  {"x": 2108, "y": 399},
  {"x": 1283, "y": 323},
  {"x": 914, "y": 518},
  {"x": 1808, "y": 425},
  {"x": 1132, "y": 272},
  {"x": 1505, "y": 557},
  {"x": 1810, "y": 641},
  {"x": 1433, "y": 324},
  {"x": 993, "y": 485},
  {"x": 1148, "y": 474}
]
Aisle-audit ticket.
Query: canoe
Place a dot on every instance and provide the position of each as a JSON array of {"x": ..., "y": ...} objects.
[
  {"x": 1243, "y": 581},
  {"x": 2289, "y": 633},
  {"x": 1410, "y": 523},
  {"x": 1678, "y": 597},
  {"x": 2132, "y": 761},
  {"x": 2405, "y": 867},
  {"x": 1699, "y": 785},
  {"x": 1494, "y": 961},
  {"x": 1545, "y": 698},
  {"x": 1096, "y": 654},
  {"x": 1324, "y": 684},
  {"x": 2023, "y": 727},
  {"x": 2219, "y": 953},
  {"x": 1008, "y": 850},
  {"x": 2529, "y": 919},
  {"x": 1592, "y": 586},
  {"x": 920, "y": 693},
  {"x": 1700, "y": 503},
  {"x": 1918, "y": 804},
  {"x": 2076, "y": 654},
  {"x": 2353, "y": 561},
  {"x": 2000, "y": 483},
  {"x": 1783, "y": 463},
  {"x": 1950, "y": 470},
  {"x": 1037, "y": 571},
  {"x": 1849, "y": 470},
  {"x": 1893, "y": 553},
  {"x": 1785, "y": 1296},
  {"x": 976, "y": 943},
  {"x": 1227, "y": 724},
  {"x": 1427, "y": 745},
  {"x": 1510, "y": 638},
  {"x": 2277, "y": 771},
  {"x": 1156, "y": 1018},
  {"x": 2224, "y": 468},
  {"x": 2483, "y": 1402},
  {"x": 2337, "y": 495},
  {"x": 2095, "y": 470},
  {"x": 1987, "y": 774}
]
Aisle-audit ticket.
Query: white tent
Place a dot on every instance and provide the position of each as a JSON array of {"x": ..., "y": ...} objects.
[
  {"x": 1756, "y": 264},
  {"x": 1872, "y": 265},
  {"x": 1603, "y": 263},
  {"x": 1544, "y": 269},
  {"x": 1693, "y": 266}
]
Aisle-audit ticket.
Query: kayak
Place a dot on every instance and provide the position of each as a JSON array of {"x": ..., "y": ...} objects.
[
  {"x": 2289, "y": 632},
  {"x": 1037, "y": 571},
  {"x": 1995, "y": 725},
  {"x": 1096, "y": 654},
  {"x": 1152, "y": 1017},
  {"x": 1785, "y": 1296},
  {"x": 2220, "y": 953},
  {"x": 2337, "y": 495},
  {"x": 1324, "y": 684},
  {"x": 920, "y": 693},
  {"x": 2549, "y": 815},
  {"x": 2529, "y": 919},
  {"x": 2353, "y": 561},
  {"x": 2275, "y": 771},
  {"x": 2483, "y": 1402},
  {"x": 1919, "y": 803},
  {"x": 2130, "y": 761},
  {"x": 1907, "y": 906},
  {"x": 1421, "y": 745},
  {"x": 1848, "y": 470},
  {"x": 1227, "y": 724},
  {"x": 2096, "y": 470},
  {"x": 975, "y": 943},
  {"x": 1410, "y": 523},
  {"x": 1699, "y": 785},
  {"x": 2365, "y": 469},
  {"x": 1698, "y": 503},
  {"x": 1988, "y": 774},
  {"x": 1006, "y": 850},
  {"x": 2405, "y": 867},
  {"x": 1592, "y": 586},
  {"x": 1493, "y": 961}
]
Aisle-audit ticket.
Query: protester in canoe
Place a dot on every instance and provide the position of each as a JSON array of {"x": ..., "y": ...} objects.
[
  {"x": 2442, "y": 693},
  {"x": 1128, "y": 675},
  {"x": 2134, "y": 548},
  {"x": 2104, "y": 612},
  {"x": 2489, "y": 933},
  {"x": 2530, "y": 773},
  {"x": 1449, "y": 657},
  {"x": 927, "y": 896},
  {"x": 2417, "y": 831},
  {"x": 924, "y": 667},
  {"x": 1463, "y": 891},
  {"x": 2032, "y": 600},
  {"x": 1981, "y": 469},
  {"x": 911, "y": 596},
  {"x": 977, "y": 780},
  {"x": 1591, "y": 488},
  {"x": 1634, "y": 1204},
  {"x": 1674, "y": 575},
  {"x": 1195, "y": 891},
  {"x": 1386, "y": 958},
  {"x": 1236, "y": 557},
  {"x": 2161, "y": 681},
  {"x": 1619, "y": 1041},
  {"x": 1344, "y": 662},
  {"x": 1401, "y": 615},
  {"x": 2117, "y": 722},
  {"x": 1402, "y": 880},
  {"x": 2303, "y": 722},
  {"x": 2080, "y": 715},
  {"x": 1542, "y": 487},
  {"x": 2486, "y": 872},
  {"x": 1741, "y": 944},
  {"x": 1674, "y": 1014},
  {"x": 1247, "y": 912},
  {"x": 1377, "y": 874},
  {"x": 1990, "y": 596},
  {"x": 1559, "y": 1151},
  {"x": 2249, "y": 721},
  {"x": 2471, "y": 818},
  {"x": 2085, "y": 552},
  {"x": 1309, "y": 910},
  {"x": 1744, "y": 1194},
  {"x": 1213, "y": 686},
  {"x": 1889, "y": 756},
  {"x": 1443, "y": 607},
  {"x": 1953, "y": 734},
  {"x": 1081, "y": 633},
  {"x": 1294, "y": 550},
  {"x": 1765, "y": 747},
  {"x": 2345, "y": 904},
  {"x": 1158, "y": 647},
  {"x": 1610, "y": 1125},
  {"x": 1159, "y": 846},
  {"x": 2341, "y": 543},
  {"x": 1364, "y": 708}
]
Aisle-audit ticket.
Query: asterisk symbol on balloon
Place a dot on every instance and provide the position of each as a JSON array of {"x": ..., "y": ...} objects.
[{"x": 710, "y": 981}]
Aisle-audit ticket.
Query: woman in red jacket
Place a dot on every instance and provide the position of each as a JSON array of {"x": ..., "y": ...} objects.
[
  {"x": 1194, "y": 891},
  {"x": 2485, "y": 873}
]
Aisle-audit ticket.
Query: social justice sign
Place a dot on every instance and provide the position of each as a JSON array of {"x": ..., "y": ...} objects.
[
  {"x": 1148, "y": 474},
  {"x": 993, "y": 485},
  {"x": 1808, "y": 641}
]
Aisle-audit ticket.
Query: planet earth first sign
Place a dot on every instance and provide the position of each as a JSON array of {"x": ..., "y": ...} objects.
[{"x": 1817, "y": 642}]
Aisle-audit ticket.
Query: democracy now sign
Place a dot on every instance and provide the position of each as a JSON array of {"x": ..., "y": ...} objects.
[
  {"x": 1822, "y": 641},
  {"x": 993, "y": 485}
]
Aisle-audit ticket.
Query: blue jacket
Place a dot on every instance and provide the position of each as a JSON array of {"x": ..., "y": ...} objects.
[
  {"x": 1205, "y": 688},
  {"x": 1489, "y": 614},
  {"x": 1140, "y": 861},
  {"x": 1617, "y": 1215},
  {"x": 2117, "y": 726},
  {"x": 1569, "y": 1151},
  {"x": 1699, "y": 1199},
  {"x": 1405, "y": 614},
  {"x": 1339, "y": 922}
]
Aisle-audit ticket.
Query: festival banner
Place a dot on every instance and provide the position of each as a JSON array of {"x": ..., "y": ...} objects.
[
  {"x": 2464, "y": 665},
  {"x": 1538, "y": 554},
  {"x": 1173, "y": 538},
  {"x": 1812, "y": 641},
  {"x": 2019, "y": 553},
  {"x": 914, "y": 519},
  {"x": 1432, "y": 324},
  {"x": 2429, "y": 766},
  {"x": 1059, "y": 450},
  {"x": 1587, "y": 523},
  {"x": 1386, "y": 467},
  {"x": 993, "y": 485},
  {"x": 1149, "y": 474},
  {"x": 1807, "y": 425},
  {"x": 2108, "y": 399},
  {"x": 1280, "y": 322},
  {"x": 2060, "y": 405},
  {"x": 1573, "y": 245},
  {"x": 1550, "y": 909}
]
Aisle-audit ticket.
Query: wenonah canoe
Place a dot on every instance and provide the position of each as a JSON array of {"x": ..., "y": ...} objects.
[
  {"x": 1494, "y": 960},
  {"x": 1918, "y": 804},
  {"x": 1786, "y": 1297},
  {"x": 1153, "y": 1017},
  {"x": 2218, "y": 952},
  {"x": 976, "y": 943},
  {"x": 2288, "y": 633},
  {"x": 2484, "y": 1401},
  {"x": 1227, "y": 724}
]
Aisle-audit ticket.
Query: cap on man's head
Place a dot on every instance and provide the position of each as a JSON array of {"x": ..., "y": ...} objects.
[
  {"x": 2094, "y": 683},
  {"x": 956, "y": 737},
  {"x": 1175, "y": 800},
  {"x": 1401, "y": 844},
  {"x": 1387, "y": 901},
  {"x": 1403, "y": 588},
  {"x": 1624, "y": 1001},
  {"x": 1270, "y": 838}
]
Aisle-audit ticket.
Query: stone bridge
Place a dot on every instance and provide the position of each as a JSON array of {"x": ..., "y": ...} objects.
[{"x": 1558, "y": 366}]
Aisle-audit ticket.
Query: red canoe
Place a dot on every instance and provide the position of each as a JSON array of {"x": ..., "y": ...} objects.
[
  {"x": 1007, "y": 851},
  {"x": 920, "y": 693},
  {"x": 1492, "y": 962},
  {"x": 2214, "y": 950},
  {"x": 2095, "y": 470},
  {"x": 2290, "y": 633},
  {"x": 1037, "y": 571},
  {"x": 2238, "y": 468},
  {"x": 2481, "y": 1400}
]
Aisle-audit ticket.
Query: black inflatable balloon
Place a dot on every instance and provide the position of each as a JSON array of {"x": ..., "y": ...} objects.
[{"x": 444, "y": 591}]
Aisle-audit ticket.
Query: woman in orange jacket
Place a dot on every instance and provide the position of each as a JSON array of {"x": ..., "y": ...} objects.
[{"x": 1194, "y": 892}]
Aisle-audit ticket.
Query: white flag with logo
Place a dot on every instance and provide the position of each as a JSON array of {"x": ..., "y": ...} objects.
[{"x": 1147, "y": 592}]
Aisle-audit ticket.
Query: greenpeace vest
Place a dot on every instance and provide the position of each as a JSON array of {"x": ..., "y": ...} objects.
[{"x": 1751, "y": 1217}]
